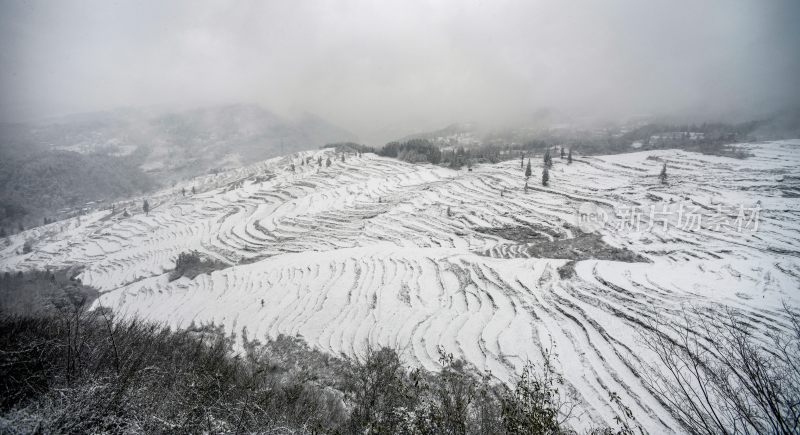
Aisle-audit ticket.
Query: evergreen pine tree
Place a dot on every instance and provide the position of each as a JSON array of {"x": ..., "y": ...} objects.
[
  {"x": 193, "y": 191},
  {"x": 328, "y": 162},
  {"x": 342, "y": 157},
  {"x": 292, "y": 167},
  {"x": 569, "y": 156},
  {"x": 319, "y": 161},
  {"x": 522, "y": 161},
  {"x": 183, "y": 191},
  {"x": 562, "y": 153},
  {"x": 663, "y": 175},
  {"x": 545, "y": 176},
  {"x": 146, "y": 207},
  {"x": 528, "y": 169}
]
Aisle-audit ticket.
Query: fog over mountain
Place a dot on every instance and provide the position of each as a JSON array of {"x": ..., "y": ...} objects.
[
  {"x": 385, "y": 70},
  {"x": 420, "y": 217}
]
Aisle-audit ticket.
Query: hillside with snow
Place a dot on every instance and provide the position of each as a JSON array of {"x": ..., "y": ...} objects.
[
  {"x": 172, "y": 144},
  {"x": 374, "y": 251},
  {"x": 54, "y": 167}
]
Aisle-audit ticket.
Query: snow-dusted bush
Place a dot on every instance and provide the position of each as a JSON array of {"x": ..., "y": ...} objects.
[
  {"x": 192, "y": 263},
  {"x": 71, "y": 370}
]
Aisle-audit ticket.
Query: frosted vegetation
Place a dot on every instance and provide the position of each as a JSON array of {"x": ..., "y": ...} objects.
[{"x": 665, "y": 331}]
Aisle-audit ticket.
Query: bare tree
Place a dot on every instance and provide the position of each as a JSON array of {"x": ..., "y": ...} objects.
[{"x": 718, "y": 375}]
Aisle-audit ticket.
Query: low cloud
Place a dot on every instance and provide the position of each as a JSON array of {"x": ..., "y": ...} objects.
[{"x": 377, "y": 68}]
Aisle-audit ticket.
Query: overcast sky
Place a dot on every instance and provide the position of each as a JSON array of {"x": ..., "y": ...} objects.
[{"x": 374, "y": 66}]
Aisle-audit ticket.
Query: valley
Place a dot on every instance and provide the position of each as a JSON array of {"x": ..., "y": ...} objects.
[{"x": 375, "y": 251}]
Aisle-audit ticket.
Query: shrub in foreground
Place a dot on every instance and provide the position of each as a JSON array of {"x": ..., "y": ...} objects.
[
  {"x": 65, "y": 369},
  {"x": 83, "y": 372}
]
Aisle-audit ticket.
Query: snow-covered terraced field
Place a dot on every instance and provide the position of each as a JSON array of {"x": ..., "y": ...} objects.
[{"x": 377, "y": 251}]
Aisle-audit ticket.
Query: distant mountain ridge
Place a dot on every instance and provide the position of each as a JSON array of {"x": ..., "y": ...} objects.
[
  {"x": 149, "y": 147},
  {"x": 456, "y": 134},
  {"x": 596, "y": 136},
  {"x": 180, "y": 143}
]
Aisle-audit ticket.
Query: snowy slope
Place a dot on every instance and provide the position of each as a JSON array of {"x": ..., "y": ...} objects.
[{"x": 365, "y": 252}]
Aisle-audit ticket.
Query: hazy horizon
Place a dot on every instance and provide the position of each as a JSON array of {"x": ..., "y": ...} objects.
[{"x": 383, "y": 70}]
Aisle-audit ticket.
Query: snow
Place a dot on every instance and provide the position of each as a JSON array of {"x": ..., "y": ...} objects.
[{"x": 364, "y": 252}]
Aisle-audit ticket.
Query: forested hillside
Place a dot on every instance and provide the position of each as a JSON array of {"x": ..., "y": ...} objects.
[{"x": 37, "y": 187}]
